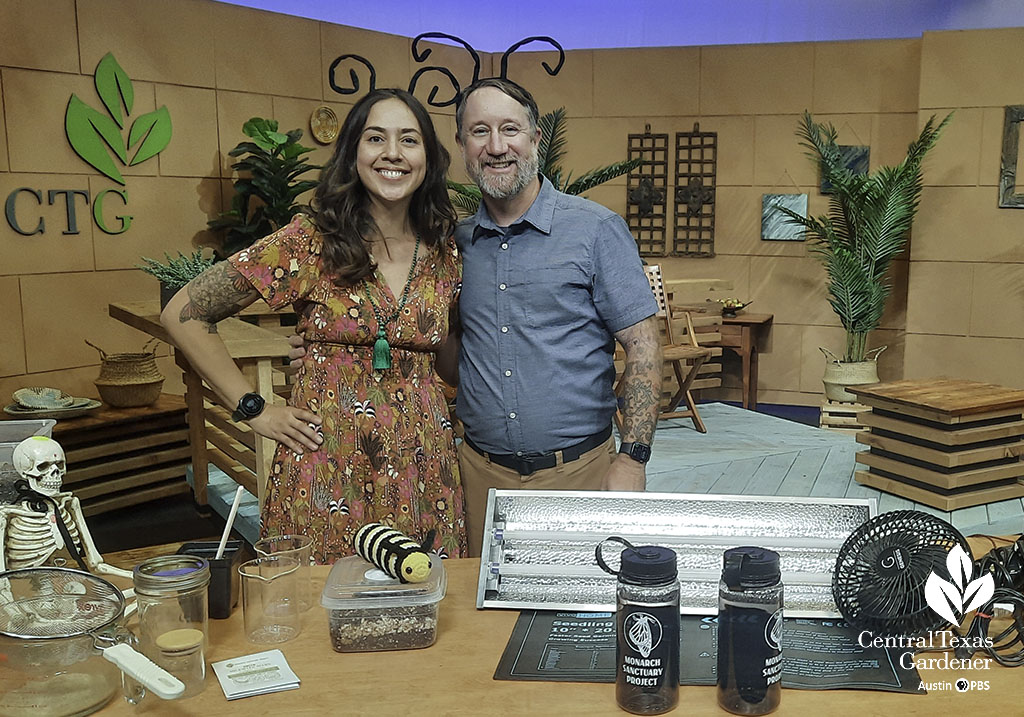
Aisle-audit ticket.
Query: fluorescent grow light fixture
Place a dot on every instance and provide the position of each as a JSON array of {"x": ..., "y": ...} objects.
[{"x": 538, "y": 549}]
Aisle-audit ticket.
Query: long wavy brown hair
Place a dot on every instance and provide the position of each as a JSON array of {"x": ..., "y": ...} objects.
[{"x": 341, "y": 206}]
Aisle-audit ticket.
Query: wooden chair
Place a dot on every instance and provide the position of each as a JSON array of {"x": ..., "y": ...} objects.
[{"x": 683, "y": 354}]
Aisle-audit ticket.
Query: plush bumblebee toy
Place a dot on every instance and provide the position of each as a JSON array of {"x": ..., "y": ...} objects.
[{"x": 397, "y": 555}]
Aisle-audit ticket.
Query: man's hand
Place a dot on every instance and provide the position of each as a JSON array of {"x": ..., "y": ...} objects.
[
  {"x": 297, "y": 352},
  {"x": 626, "y": 474},
  {"x": 296, "y": 428}
]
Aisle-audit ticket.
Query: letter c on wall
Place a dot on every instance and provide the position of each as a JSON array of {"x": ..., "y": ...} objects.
[{"x": 13, "y": 220}]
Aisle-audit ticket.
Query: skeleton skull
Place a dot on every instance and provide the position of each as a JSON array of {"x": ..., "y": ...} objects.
[{"x": 40, "y": 460}]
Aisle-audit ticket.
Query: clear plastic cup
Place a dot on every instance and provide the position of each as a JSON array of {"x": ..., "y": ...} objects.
[
  {"x": 270, "y": 605},
  {"x": 297, "y": 546}
]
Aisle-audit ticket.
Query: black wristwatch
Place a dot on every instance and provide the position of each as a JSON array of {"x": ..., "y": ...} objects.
[
  {"x": 639, "y": 452},
  {"x": 249, "y": 406}
]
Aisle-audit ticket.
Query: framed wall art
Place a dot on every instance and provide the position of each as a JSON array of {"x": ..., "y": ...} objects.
[
  {"x": 1009, "y": 197},
  {"x": 776, "y": 226}
]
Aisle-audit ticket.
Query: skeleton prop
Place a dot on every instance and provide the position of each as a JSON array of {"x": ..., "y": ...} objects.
[{"x": 44, "y": 520}]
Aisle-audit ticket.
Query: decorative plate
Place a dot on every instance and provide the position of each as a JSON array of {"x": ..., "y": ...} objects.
[
  {"x": 42, "y": 397},
  {"x": 323, "y": 124},
  {"x": 80, "y": 407}
]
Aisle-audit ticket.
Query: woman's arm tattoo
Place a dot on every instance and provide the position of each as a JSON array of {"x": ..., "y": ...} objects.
[{"x": 219, "y": 292}]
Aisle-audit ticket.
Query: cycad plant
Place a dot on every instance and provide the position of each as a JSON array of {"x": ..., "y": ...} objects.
[
  {"x": 466, "y": 197},
  {"x": 866, "y": 227},
  {"x": 269, "y": 172}
]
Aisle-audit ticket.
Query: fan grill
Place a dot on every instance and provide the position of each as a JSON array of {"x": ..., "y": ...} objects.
[{"x": 882, "y": 568}]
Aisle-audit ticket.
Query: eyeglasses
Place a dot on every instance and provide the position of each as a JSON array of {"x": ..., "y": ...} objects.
[{"x": 482, "y": 133}]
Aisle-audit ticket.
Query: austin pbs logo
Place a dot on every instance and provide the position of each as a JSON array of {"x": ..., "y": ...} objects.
[{"x": 952, "y": 599}]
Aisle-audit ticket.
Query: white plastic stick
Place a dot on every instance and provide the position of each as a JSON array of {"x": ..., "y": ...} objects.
[{"x": 231, "y": 521}]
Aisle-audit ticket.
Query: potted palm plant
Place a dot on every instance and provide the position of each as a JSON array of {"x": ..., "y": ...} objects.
[
  {"x": 867, "y": 225},
  {"x": 466, "y": 197}
]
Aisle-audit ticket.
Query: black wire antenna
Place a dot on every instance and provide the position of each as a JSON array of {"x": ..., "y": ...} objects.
[{"x": 421, "y": 55}]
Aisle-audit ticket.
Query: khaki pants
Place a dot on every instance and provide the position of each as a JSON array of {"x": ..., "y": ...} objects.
[{"x": 478, "y": 475}]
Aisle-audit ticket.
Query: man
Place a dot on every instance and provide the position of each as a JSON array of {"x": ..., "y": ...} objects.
[{"x": 550, "y": 282}]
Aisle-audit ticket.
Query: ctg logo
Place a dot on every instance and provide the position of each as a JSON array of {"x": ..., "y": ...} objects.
[
  {"x": 643, "y": 632},
  {"x": 952, "y": 599}
]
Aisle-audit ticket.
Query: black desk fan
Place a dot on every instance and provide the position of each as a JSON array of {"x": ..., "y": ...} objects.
[{"x": 880, "y": 575}]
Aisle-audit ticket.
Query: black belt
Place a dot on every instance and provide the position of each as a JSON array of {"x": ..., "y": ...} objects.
[{"x": 525, "y": 465}]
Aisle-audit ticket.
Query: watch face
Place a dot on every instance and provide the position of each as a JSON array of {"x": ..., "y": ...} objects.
[
  {"x": 640, "y": 452},
  {"x": 251, "y": 404}
]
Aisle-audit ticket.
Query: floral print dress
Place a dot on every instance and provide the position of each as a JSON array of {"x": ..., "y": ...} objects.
[{"x": 388, "y": 453}]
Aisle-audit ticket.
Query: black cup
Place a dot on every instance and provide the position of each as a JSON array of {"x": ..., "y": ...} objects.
[{"x": 224, "y": 580}]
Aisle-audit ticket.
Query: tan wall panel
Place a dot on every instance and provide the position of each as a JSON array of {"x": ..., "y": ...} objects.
[
  {"x": 35, "y": 104},
  {"x": 890, "y": 362},
  {"x": 997, "y": 301},
  {"x": 4, "y": 166},
  {"x": 647, "y": 82},
  {"x": 168, "y": 213},
  {"x": 194, "y": 150},
  {"x": 992, "y": 147},
  {"x": 955, "y": 159},
  {"x": 738, "y": 225},
  {"x": 866, "y": 76},
  {"x": 170, "y": 42},
  {"x": 292, "y": 113},
  {"x": 735, "y": 148},
  {"x": 390, "y": 56},
  {"x": 756, "y": 79},
  {"x": 791, "y": 288},
  {"x": 723, "y": 266},
  {"x": 51, "y": 251},
  {"x": 890, "y": 136},
  {"x": 965, "y": 224},
  {"x": 895, "y": 314},
  {"x": 777, "y": 367},
  {"x": 12, "y": 348},
  {"x": 789, "y": 398},
  {"x": 812, "y": 360},
  {"x": 995, "y": 361},
  {"x": 39, "y": 35},
  {"x": 612, "y": 196},
  {"x": 939, "y": 298},
  {"x": 572, "y": 87},
  {"x": 63, "y": 309},
  {"x": 971, "y": 68},
  {"x": 594, "y": 142},
  {"x": 234, "y": 109},
  {"x": 444, "y": 125},
  {"x": 266, "y": 52},
  {"x": 778, "y": 157}
]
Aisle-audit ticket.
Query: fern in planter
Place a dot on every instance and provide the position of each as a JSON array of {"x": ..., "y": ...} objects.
[
  {"x": 867, "y": 226},
  {"x": 466, "y": 197},
  {"x": 174, "y": 272},
  {"x": 270, "y": 173}
]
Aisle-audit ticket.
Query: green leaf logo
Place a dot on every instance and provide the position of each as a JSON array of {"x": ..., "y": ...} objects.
[{"x": 94, "y": 135}]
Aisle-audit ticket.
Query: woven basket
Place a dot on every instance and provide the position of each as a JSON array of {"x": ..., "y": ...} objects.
[{"x": 129, "y": 379}]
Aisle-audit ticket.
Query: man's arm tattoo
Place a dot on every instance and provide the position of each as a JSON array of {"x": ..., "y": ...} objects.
[
  {"x": 641, "y": 380},
  {"x": 219, "y": 292}
]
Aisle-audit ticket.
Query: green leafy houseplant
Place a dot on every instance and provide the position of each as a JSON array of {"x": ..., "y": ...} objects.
[
  {"x": 867, "y": 225},
  {"x": 176, "y": 271},
  {"x": 269, "y": 172},
  {"x": 466, "y": 197}
]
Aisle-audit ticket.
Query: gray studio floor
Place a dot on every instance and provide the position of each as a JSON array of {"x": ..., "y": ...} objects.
[{"x": 748, "y": 453}]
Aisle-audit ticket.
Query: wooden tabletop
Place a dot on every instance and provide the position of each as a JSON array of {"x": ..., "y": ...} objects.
[
  {"x": 950, "y": 396},
  {"x": 748, "y": 319},
  {"x": 455, "y": 677},
  {"x": 243, "y": 340}
]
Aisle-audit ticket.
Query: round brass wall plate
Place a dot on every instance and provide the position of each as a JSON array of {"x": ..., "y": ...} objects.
[{"x": 323, "y": 123}]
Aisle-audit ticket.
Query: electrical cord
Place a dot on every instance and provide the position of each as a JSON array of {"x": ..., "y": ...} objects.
[{"x": 1006, "y": 566}]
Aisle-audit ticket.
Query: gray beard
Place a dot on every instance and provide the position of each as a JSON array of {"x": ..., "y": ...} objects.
[{"x": 506, "y": 188}]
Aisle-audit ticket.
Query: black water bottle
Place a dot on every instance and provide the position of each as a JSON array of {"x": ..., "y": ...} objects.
[
  {"x": 750, "y": 631},
  {"x": 647, "y": 629}
]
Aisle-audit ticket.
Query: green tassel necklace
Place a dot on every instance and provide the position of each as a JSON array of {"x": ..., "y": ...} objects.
[{"x": 381, "y": 347}]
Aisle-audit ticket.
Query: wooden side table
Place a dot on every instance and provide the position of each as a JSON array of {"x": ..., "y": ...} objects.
[
  {"x": 740, "y": 334},
  {"x": 944, "y": 442}
]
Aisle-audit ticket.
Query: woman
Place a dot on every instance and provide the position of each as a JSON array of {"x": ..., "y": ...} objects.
[{"x": 372, "y": 275}]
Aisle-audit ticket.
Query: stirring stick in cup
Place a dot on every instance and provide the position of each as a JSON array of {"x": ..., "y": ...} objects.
[{"x": 230, "y": 522}]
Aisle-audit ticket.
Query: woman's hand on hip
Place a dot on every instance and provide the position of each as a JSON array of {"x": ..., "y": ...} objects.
[{"x": 296, "y": 428}]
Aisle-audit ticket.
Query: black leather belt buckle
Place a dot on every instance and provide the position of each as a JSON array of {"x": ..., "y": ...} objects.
[{"x": 527, "y": 466}]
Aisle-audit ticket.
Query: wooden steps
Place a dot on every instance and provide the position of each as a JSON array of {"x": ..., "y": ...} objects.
[{"x": 843, "y": 417}]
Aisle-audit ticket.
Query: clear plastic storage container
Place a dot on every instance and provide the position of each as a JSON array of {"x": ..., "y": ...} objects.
[{"x": 367, "y": 610}]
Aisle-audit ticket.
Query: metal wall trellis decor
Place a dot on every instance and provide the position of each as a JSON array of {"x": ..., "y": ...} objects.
[
  {"x": 647, "y": 190},
  {"x": 421, "y": 55},
  {"x": 696, "y": 167}
]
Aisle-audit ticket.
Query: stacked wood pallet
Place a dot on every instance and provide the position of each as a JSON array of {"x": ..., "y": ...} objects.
[
  {"x": 117, "y": 457},
  {"x": 842, "y": 417},
  {"x": 943, "y": 442}
]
